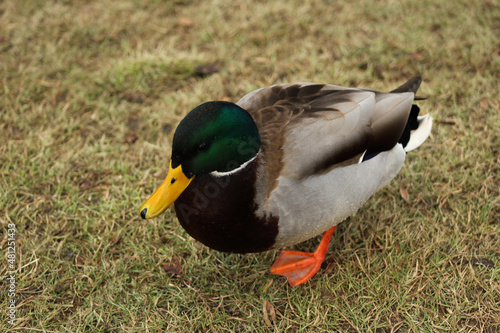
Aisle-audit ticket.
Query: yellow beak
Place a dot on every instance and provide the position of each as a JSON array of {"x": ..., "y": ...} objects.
[{"x": 165, "y": 195}]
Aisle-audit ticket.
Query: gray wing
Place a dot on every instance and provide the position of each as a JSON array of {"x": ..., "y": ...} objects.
[{"x": 309, "y": 128}]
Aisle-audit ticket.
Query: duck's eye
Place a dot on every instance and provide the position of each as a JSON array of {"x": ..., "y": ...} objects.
[{"x": 202, "y": 147}]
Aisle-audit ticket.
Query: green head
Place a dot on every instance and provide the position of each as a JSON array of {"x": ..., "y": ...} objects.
[{"x": 215, "y": 136}]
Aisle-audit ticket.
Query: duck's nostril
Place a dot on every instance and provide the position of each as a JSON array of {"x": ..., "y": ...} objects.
[{"x": 144, "y": 212}]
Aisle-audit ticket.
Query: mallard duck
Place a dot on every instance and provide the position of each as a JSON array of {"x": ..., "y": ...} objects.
[{"x": 285, "y": 164}]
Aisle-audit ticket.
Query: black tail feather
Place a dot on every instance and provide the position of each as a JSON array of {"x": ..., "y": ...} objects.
[
  {"x": 411, "y": 85},
  {"x": 411, "y": 125}
]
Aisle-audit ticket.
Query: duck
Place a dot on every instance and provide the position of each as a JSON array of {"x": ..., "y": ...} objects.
[{"x": 284, "y": 164}]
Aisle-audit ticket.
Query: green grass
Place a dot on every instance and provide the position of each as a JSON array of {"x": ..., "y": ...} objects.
[{"x": 92, "y": 92}]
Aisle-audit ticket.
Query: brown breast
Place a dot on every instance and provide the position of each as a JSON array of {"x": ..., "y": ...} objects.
[{"x": 219, "y": 212}]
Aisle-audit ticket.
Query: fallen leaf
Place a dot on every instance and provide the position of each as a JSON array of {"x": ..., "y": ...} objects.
[
  {"x": 266, "y": 317},
  {"x": 273, "y": 313},
  {"x": 131, "y": 138},
  {"x": 482, "y": 262},
  {"x": 404, "y": 193},
  {"x": 79, "y": 260},
  {"x": 185, "y": 22},
  {"x": 416, "y": 56},
  {"x": 261, "y": 60},
  {"x": 268, "y": 309},
  {"x": 172, "y": 267},
  {"x": 207, "y": 69}
]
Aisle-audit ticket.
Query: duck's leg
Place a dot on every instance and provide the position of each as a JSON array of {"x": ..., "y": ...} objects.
[{"x": 298, "y": 266}]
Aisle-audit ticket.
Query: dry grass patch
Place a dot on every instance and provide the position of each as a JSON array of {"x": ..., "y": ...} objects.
[{"x": 91, "y": 94}]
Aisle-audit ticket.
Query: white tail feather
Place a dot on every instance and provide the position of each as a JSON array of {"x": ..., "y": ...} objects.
[{"x": 418, "y": 136}]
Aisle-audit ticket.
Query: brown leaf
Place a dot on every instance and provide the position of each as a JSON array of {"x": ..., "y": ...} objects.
[
  {"x": 268, "y": 309},
  {"x": 79, "y": 260},
  {"x": 404, "y": 193},
  {"x": 207, "y": 69},
  {"x": 266, "y": 317},
  {"x": 273, "y": 313},
  {"x": 482, "y": 262},
  {"x": 261, "y": 60},
  {"x": 185, "y": 22},
  {"x": 416, "y": 56},
  {"x": 172, "y": 267},
  {"x": 85, "y": 186},
  {"x": 131, "y": 138}
]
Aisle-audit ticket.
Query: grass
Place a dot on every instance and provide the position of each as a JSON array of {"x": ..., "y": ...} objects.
[{"x": 92, "y": 92}]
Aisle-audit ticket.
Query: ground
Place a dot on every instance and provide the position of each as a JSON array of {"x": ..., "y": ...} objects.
[{"x": 92, "y": 92}]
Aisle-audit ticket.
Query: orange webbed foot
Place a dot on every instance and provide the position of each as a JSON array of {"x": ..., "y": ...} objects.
[{"x": 298, "y": 267}]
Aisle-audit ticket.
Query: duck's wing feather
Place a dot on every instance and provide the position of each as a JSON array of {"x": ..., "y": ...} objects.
[{"x": 309, "y": 128}]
